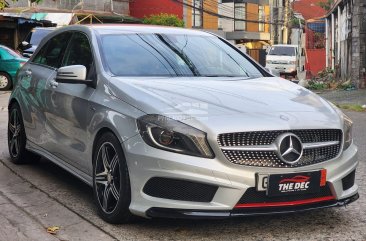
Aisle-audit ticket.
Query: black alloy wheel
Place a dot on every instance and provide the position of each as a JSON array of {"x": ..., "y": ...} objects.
[
  {"x": 111, "y": 184},
  {"x": 17, "y": 138}
]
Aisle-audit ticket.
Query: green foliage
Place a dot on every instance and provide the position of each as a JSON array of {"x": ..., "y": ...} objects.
[
  {"x": 294, "y": 22},
  {"x": 351, "y": 107},
  {"x": 5, "y": 3},
  {"x": 326, "y": 73},
  {"x": 327, "y": 5},
  {"x": 326, "y": 79},
  {"x": 164, "y": 19},
  {"x": 313, "y": 85}
]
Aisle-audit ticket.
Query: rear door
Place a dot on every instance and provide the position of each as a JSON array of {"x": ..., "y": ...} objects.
[{"x": 68, "y": 112}]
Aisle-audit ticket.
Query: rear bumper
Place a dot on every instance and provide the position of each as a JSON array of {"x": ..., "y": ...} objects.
[{"x": 242, "y": 212}]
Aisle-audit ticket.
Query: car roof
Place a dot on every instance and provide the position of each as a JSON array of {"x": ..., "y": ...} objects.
[{"x": 135, "y": 28}]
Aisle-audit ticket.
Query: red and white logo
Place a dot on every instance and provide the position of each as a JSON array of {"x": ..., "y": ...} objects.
[{"x": 296, "y": 183}]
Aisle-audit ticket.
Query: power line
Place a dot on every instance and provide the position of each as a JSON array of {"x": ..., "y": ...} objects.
[{"x": 223, "y": 16}]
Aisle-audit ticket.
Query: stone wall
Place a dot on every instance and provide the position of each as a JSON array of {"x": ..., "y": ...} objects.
[
  {"x": 355, "y": 73},
  {"x": 120, "y": 6},
  {"x": 362, "y": 39}
]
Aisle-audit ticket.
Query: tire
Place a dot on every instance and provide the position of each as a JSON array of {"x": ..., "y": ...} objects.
[
  {"x": 17, "y": 138},
  {"x": 111, "y": 182},
  {"x": 5, "y": 81}
]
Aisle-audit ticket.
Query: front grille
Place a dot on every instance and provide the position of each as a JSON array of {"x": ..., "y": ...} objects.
[
  {"x": 182, "y": 190},
  {"x": 269, "y": 158},
  {"x": 251, "y": 195}
]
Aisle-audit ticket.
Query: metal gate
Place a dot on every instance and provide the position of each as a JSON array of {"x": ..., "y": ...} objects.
[{"x": 258, "y": 55}]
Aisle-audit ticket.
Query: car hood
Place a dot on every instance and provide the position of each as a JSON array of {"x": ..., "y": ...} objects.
[{"x": 230, "y": 100}]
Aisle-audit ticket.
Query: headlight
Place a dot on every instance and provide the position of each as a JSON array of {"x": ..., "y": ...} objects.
[
  {"x": 167, "y": 134},
  {"x": 347, "y": 129}
]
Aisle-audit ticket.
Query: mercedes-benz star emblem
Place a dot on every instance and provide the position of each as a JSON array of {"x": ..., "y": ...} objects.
[{"x": 289, "y": 148}]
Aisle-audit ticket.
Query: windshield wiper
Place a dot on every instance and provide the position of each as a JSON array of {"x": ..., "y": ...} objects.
[{"x": 181, "y": 54}]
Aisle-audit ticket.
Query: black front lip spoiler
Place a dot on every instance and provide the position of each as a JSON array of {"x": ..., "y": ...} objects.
[{"x": 243, "y": 212}]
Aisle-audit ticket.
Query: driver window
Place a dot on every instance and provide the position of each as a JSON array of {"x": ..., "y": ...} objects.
[
  {"x": 79, "y": 52},
  {"x": 52, "y": 52}
]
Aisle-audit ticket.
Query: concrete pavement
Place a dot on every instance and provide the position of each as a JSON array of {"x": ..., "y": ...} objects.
[
  {"x": 357, "y": 97},
  {"x": 27, "y": 211}
]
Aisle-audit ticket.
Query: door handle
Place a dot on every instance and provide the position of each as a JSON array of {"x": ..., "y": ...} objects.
[
  {"x": 28, "y": 73},
  {"x": 53, "y": 84}
]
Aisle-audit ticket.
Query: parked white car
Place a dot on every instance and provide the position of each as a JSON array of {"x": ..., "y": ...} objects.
[{"x": 285, "y": 59}]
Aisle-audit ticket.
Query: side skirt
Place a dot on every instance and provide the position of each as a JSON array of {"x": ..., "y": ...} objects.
[{"x": 69, "y": 168}]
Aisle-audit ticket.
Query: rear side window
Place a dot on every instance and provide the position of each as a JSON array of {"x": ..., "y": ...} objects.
[{"x": 53, "y": 51}]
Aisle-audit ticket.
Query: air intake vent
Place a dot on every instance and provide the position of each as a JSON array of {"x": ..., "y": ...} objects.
[{"x": 179, "y": 190}]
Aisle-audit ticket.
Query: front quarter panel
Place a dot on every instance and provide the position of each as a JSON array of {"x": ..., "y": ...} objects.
[{"x": 110, "y": 113}]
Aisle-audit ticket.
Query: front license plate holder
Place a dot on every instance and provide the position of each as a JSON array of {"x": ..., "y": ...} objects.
[{"x": 294, "y": 183}]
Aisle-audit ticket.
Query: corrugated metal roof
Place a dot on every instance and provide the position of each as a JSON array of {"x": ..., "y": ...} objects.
[{"x": 309, "y": 9}]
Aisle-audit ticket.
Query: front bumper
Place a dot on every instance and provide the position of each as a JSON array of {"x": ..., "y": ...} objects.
[
  {"x": 222, "y": 214},
  {"x": 282, "y": 68},
  {"x": 232, "y": 181}
]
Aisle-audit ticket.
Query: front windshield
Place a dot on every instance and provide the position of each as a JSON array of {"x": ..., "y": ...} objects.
[
  {"x": 282, "y": 51},
  {"x": 173, "y": 55}
]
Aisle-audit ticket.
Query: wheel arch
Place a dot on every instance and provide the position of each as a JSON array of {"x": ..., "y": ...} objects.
[
  {"x": 3, "y": 71},
  {"x": 12, "y": 101},
  {"x": 100, "y": 132}
]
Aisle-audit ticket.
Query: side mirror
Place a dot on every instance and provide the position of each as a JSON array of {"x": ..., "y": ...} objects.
[
  {"x": 73, "y": 74},
  {"x": 269, "y": 70}
]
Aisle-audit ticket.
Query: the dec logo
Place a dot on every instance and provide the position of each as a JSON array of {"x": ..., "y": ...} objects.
[{"x": 297, "y": 183}]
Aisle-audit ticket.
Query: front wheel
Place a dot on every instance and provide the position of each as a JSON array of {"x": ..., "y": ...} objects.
[{"x": 111, "y": 182}]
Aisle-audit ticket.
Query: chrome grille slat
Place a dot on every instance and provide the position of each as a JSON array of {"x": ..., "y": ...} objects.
[{"x": 257, "y": 148}]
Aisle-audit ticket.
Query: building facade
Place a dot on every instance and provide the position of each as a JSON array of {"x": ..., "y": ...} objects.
[
  {"x": 346, "y": 40},
  {"x": 200, "y": 14},
  {"x": 144, "y": 8},
  {"x": 247, "y": 22}
]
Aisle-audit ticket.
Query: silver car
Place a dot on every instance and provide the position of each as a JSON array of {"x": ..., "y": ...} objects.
[{"x": 176, "y": 123}]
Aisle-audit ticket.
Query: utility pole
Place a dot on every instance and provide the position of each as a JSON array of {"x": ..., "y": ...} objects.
[
  {"x": 286, "y": 21},
  {"x": 201, "y": 9}
]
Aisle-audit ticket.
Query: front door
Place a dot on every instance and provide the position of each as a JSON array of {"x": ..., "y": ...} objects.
[{"x": 68, "y": 107}]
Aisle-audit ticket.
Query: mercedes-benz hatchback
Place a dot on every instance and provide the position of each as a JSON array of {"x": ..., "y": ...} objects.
[{"x": 176, "y": 123}]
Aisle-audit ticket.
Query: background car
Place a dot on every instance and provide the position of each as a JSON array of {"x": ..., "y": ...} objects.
[
  {"x": 31, "y": 42},
  {"x": 10, "y": 62}
]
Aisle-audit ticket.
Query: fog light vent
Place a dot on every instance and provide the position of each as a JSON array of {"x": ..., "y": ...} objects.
[
  {"x": 348, "y": 181},
  {"x": 181, "y": 190}
]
